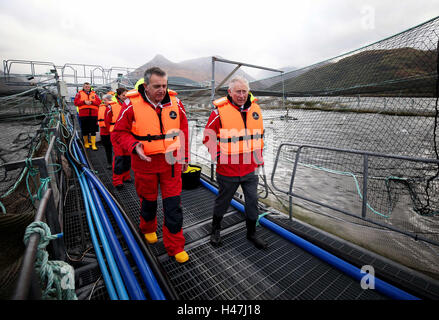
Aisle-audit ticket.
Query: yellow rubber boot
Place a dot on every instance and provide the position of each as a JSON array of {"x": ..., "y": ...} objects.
[
  {"x": 93, "y": 143},
  {"x": 86, "y": 143},
  {"x": 182, "y": 257},
  {"x": 151, "y": 237}
]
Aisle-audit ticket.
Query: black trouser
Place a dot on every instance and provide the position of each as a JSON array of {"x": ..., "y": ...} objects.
[
  {"x": 89, "y": 125},
  {"x": 227, "y": 189},
  {"x": 106, "y": 142}
]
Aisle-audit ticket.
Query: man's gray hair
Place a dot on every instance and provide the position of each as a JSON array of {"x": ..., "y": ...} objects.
[
  {"x": 107, "y": 96},
  {"x": 238, "y": 79},
  {"x": 154, "y": 70}
]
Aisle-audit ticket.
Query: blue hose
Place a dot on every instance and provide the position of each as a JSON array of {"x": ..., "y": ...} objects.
[
  {"x": 234, "y": 203},
  {"x": 133, "y": 286},
  {"x": 107, "y": 279},
  {"x": 349, "y": 269},
  {"x": 145, "y": 271},
  {"x": 79, "y": 153},
  {"x": 120, "y": 288}
]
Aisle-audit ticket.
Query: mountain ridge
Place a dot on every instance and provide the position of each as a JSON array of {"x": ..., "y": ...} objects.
[{"x": 197, "y": 69}]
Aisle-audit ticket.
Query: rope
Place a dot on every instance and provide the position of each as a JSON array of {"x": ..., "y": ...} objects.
[
  {"x": 2, "y": 207},
  {"x": 357, "y": 185},
  {"x": 57, "y": 276},
  {"x": 387, "y": 180},
  {"x": 261, "y": 216}
]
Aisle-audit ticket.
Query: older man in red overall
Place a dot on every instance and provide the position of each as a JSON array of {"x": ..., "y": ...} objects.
[{"x": 234, "y": 137}]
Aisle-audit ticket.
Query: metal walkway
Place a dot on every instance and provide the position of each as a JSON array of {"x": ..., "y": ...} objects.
[{"x": 237, "y": 270}]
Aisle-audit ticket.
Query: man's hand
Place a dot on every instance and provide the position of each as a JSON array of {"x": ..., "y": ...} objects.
[
  {"x": 184, "y": 167},
  {"x": 141, "y": 154}
]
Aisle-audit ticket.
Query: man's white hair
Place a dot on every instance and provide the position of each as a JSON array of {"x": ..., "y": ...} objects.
[
  {"x": 107, "y": 96},
  {"x": 238, "y": 79}
]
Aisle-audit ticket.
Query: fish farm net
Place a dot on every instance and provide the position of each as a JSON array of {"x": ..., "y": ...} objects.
[
  {"x": 25, "y": 121},
  {"x": 381, "y": 99}
]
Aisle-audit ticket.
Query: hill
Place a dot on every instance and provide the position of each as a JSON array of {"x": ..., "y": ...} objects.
[
  {"x": 405, "y": 71},
  {"x": 198, "y": 70}
]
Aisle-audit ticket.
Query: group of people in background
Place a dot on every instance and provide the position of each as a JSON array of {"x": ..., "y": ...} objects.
[
  {"x": 97, "y": 114},
  {"x": 146, "y": 130}
]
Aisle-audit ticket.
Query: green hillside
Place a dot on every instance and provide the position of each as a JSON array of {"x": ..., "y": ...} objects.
[{"x": 404, "y": 71}]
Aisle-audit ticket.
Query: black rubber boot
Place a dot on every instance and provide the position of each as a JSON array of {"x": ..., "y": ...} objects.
[
  {"x": 215, "y": 238},
  {"x": 251, "y": 235}
]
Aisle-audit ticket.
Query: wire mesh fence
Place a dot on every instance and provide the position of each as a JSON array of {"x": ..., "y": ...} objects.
[{"x": 381, "y": 98}]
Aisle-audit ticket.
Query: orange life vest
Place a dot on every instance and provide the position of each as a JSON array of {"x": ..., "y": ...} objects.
[
  {"x": 235, "y": 136},
  {"x": 115, "y": 108},
  {"x": 101, "y": 115},
  {"x": 90, "y": 97},
  {"x": 158, "y": 133}
]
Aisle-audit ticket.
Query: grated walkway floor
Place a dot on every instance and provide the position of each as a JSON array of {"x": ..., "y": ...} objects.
[{"x": 237, "y": 270}]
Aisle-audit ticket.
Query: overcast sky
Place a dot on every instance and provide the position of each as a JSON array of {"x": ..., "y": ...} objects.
[{"x": 270, "y": 33}]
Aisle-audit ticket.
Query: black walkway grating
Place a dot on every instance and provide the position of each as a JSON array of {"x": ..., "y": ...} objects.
[
  {"x": 234, "y": 271},
  {"x": 239, "y": 271}
]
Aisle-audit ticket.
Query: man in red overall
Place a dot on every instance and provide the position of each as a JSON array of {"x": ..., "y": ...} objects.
[
  {"x": 154, "y": 128},
  {"x": 88, "y": 103},
  {"x": 121, "y": 158},
  {"x": 104, "y": 127},
  {"x": 234, "y": 137}
]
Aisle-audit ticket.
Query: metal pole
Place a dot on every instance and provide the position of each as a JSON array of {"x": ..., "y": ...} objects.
[
  {"x": 57, "y": 245},
  {"x": 24, "y": 279},
  {"x": 246, "y": 64},
  {"x": 365, "y": 173},
  {"x": 228, "y": 76},
  {"x": 291, "y": 183},
  {"x": 212, "y": 98}
]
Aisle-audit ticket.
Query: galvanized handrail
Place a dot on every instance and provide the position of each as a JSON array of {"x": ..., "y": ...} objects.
[
  {"x": 7, "y": 64},
  {"x": 366, "y": 155},
  {"x": 27, "y": 277}
]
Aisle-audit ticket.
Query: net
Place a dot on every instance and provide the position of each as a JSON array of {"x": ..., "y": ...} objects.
[{"x": 380, "y": 99}]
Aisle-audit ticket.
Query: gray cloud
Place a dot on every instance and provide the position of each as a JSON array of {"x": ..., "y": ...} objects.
[{"x": 129, "y": 33}]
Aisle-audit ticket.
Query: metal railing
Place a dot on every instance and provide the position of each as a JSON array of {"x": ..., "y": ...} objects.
[
  {"x": 366, "y": 155},
  {"x": 54, "y": 214},
  {"x": 50, "y": 211},
  {"x": 27, "y": 286},
  {"x": 79, "y": 72}
]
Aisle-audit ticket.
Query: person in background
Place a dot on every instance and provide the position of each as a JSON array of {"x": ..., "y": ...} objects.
[
  {"x": 234, "y": 138},
  {"x": 104, "y": 131},
  {"x": 122, "y": 158},
  {"x": 154, "y": 128},
  {"x": 88, "y": 103}
]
